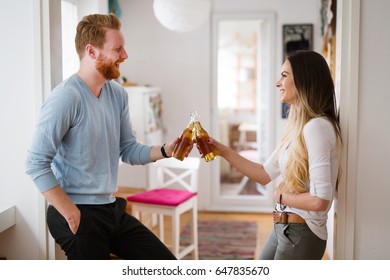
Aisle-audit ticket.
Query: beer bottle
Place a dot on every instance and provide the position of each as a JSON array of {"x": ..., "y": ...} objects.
[
  {"x": 185, "y": 141},
  {"x": 208, "y": 151}
]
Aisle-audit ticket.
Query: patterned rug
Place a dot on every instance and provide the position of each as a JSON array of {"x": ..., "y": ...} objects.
[{"x": 224, "y": 240}]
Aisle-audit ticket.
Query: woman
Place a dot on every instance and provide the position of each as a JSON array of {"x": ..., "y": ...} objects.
[{"x": 307, "y": 158}]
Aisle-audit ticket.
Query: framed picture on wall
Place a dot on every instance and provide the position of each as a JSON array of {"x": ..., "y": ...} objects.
[
  {"x": 296, "y": 37},
  {"x": 285, "y": 110}
]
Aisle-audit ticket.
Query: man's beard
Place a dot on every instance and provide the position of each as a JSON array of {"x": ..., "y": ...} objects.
[{"x": 107, "y": 68}]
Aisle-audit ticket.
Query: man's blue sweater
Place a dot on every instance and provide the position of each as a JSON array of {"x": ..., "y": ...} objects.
[{"x": 80, "y": 139}]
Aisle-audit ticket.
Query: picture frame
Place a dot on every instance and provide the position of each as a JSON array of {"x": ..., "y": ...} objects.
[
  {"x": 285, "y": 110},
  {"x": 295, "y": 37}
]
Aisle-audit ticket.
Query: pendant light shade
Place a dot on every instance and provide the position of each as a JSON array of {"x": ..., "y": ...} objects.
[{"x": 182, "y": 15}]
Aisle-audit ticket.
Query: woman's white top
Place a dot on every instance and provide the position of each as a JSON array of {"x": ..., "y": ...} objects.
[{"x": 321, "y": 142}]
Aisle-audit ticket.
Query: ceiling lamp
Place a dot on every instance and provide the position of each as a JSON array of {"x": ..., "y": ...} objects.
[{"x": 182, "y": 15}]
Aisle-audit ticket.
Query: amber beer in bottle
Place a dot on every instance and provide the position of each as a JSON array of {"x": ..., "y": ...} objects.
[
  {"x": 201, "y": 135},
  {"x": 185, "y": 141}
]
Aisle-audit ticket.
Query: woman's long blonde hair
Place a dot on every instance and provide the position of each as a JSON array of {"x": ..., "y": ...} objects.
[{"x": 316, "y": 98}]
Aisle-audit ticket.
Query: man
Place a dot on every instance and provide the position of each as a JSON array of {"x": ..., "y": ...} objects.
[{"x": 83, "y": 132}]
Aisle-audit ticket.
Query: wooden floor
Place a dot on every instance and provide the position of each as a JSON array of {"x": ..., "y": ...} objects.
[
  {"x": 264, "y": 221},
  {"x": 264, "y": 224}
]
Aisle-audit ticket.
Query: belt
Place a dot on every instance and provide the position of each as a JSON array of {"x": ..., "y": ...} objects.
[{"x": 287, "y": 218}]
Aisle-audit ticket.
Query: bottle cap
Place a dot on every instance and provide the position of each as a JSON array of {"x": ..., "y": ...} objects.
[{"x": 195, "y": 116}]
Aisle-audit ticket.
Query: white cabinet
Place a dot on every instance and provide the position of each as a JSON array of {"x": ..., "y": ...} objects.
[
  {"x": 7, "y": 216},
  {"x": 145, "y": 106}
]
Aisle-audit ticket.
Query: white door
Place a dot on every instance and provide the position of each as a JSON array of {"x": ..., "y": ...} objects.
[{"x": 243, "y": 61}]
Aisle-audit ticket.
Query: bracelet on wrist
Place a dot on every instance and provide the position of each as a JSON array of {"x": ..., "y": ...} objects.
[{"x": 163, "y": 151}]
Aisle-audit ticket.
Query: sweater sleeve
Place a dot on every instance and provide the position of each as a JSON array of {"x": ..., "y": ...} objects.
[
  {"x": 271, "y": 166},
  {"x": 320, "y": 140},
  {"x": 56, "y": 117}
]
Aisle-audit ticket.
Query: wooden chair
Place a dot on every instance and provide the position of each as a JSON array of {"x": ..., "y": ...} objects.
[{"x": 175, "y": 194}]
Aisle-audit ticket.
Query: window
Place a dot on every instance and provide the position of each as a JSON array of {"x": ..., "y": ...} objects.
[
  {"x": 70, "y": 59},
  {"x": 237, "y": 61}
]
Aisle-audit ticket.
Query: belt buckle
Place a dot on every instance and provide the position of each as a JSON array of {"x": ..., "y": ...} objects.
[{"x": 283, "y": 217}]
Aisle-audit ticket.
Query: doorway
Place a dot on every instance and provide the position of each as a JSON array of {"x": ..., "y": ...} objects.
[{"x": 242, "y": 80}]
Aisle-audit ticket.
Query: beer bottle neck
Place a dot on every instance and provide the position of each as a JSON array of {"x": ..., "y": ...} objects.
[
  {"x": 190, "y": 125},
  {"x": 197, "y": 125}
]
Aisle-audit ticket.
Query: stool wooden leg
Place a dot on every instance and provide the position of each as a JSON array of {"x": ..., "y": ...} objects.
[
  {"x": 176, "y": 234},
  {"x": 195, "y": 253},
  {"x": 135, "y": 212},
  {"x": 161, "y": 227}
]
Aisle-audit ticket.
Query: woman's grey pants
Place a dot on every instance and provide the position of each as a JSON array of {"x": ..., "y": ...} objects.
[{"x": 293, "y": 242}]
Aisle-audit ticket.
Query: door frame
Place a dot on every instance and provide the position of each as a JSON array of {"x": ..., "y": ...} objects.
[
  {"x": 48, "y": 72},
  {"x": 347, "y": 88}
]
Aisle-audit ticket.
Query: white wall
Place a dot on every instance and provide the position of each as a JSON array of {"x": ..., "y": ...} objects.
[
  {"x": 86, "y": 7},
  {"x": 372, "y": 227},
  {"x": 178, "y": 63},
  {"x": 17, "y": 118}
]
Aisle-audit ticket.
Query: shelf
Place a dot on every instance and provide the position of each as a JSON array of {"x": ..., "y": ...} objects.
[{"x": 7, "y": 217}]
